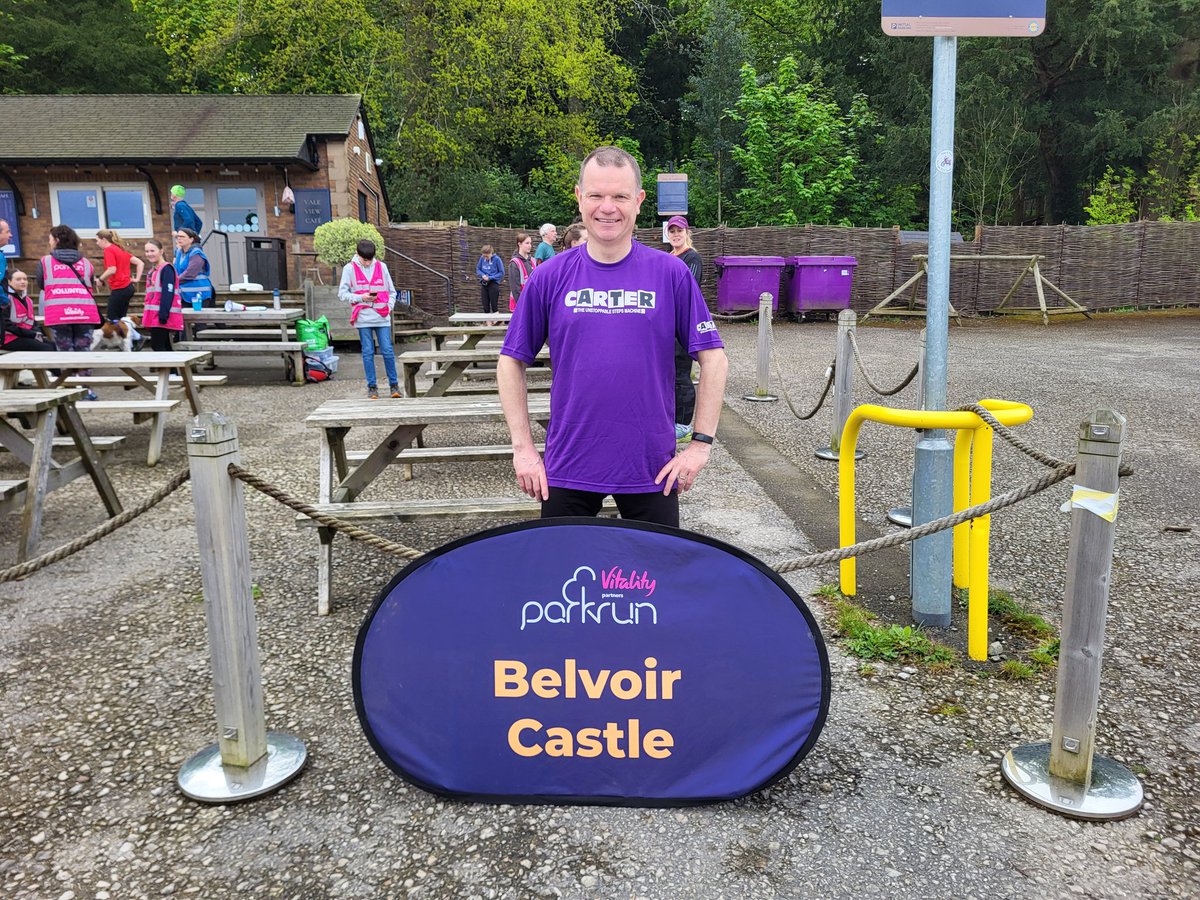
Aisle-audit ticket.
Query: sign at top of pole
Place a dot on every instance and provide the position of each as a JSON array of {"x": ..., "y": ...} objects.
[{"x": 964, "y": 18}]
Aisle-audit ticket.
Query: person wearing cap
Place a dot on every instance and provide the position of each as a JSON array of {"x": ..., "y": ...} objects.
[
  {"x": 611, "y": 312},
  {"x": 182, "y": 214},
  {"x": 680, "y": 238}
]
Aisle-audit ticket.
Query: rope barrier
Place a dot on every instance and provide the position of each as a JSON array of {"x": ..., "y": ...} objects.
[
  {"x": 870, "y": 383},
  {"x": 741, "y": 317},
  {"x": 33, "y": 565},
  {"x": 787, "y": 397},
  {"x": 1021, "y": 444},
  {"x": 351, "y": 531}
]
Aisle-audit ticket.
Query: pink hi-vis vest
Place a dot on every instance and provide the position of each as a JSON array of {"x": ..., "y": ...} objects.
[
  {"x": 367, "y": 286},
  {"x": 154, "y": 299},
  {"x": 21, "y": 315},
  {"x": 525, "y": 270},
  {"x": 67, "y": 300}
]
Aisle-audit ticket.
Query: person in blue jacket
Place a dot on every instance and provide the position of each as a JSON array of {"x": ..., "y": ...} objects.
[
  {"x": 490, "y": 272},
  {"x": 182, "y": 214}
]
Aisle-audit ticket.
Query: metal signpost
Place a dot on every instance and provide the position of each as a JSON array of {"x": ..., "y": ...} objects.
[{"x": 945, "y": 21}]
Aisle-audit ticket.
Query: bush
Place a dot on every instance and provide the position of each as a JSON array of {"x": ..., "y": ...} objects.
[{"x": 336, "y": 241}]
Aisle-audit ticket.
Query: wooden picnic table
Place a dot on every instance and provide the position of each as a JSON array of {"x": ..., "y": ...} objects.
[
  {"x": 341, "y": 483},
  {"x": 248, "y": 331},
  {"x": 471, "y": 335},
  {"x": 41, "y": 409},
  {"x": 147, "y": 369},
  {"x": 480, "y": 318},
  {"x": 453, "y": 363}
]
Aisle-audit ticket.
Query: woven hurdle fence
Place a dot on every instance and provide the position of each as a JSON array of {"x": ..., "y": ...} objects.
[{"x": 1143, "y": 264}]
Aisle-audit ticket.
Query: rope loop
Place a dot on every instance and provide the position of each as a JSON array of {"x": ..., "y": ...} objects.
[{"x": 870, "y": 382}]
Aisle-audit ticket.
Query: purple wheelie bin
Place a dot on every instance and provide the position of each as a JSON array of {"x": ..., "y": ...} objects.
[
  {"x": 740, "y": 280},
  {"x": 819, "y": 283}
]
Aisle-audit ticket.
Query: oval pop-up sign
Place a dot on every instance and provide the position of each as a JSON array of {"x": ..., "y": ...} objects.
[{"x": 589, "y": 661}]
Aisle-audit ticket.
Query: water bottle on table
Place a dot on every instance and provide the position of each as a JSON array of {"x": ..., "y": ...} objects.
[{"x": 275, "y": 298}]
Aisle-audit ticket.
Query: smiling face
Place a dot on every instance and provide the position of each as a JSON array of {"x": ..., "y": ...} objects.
[
  {"x": 153, "y": 254},
  {"x": 676, "y": 236},
  {"x": 609, "y": 200}
]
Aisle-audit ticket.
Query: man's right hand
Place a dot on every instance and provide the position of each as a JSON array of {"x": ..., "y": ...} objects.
[{"x": 531, "y": 474}]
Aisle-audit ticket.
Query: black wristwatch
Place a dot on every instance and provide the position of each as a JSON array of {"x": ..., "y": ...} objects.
[{"x": 702, "y": 438}]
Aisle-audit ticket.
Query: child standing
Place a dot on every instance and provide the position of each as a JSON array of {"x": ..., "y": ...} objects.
[{"x": 367, "y": 286}]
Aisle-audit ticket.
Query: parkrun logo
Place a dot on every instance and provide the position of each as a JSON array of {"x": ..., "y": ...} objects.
[
  {"x": 587, "y": 597},
  {"x": 615, "y": 301}
]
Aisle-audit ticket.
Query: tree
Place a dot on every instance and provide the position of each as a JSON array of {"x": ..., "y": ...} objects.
[
  {"x": 1112, "y": 201},
  {"x": 714, "y": 91},
  {"x": 801, "y": 154},
  {"x": 80, "y": 47}
]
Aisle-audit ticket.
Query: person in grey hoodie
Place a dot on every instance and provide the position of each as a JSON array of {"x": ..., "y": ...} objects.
[{"x": 367, "y": 286}]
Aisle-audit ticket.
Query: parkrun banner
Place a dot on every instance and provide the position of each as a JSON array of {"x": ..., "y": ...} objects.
[{"x": 590, "y": 661}]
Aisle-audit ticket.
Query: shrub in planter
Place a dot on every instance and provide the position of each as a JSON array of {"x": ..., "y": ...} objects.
[{"x": 335, "y": 241}]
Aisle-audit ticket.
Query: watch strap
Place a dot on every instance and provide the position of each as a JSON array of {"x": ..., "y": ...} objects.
[{"x": 702, "y": 438}]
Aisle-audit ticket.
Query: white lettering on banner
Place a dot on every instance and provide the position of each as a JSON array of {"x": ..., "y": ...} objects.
[
  {"x": 706, "y": 326},
  {"x": 616, "y": 300},
  {"x": 575, "y": 607}
]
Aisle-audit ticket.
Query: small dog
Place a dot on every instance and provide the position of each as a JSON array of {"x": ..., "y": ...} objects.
[{"x": 116, "y": 336}]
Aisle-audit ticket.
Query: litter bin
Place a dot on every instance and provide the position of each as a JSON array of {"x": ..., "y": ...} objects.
[
  {"x": 266, "y": 262},
  {"x": 740, "y": 280},
  {"x": 819, "y": 283}
]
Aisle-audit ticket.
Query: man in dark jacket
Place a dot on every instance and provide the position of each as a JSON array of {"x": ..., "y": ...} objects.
[{"x": 182, "y": 214}]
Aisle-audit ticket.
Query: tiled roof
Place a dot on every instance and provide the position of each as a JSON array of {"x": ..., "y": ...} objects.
[{"x": 144, "y": 128}]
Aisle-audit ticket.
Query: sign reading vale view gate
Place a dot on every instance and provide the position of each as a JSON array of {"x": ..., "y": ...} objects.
[
  {"x": 964, "y": 18},
  {"x": 587, "y": 661}
]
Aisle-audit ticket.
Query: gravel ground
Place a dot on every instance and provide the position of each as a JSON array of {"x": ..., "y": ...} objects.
[{"x": 106, "y": 689}]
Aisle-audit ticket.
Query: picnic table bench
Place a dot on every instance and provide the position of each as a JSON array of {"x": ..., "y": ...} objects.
[
  {"x": 41, "y": 409},
  {"x": 480, "y": 318},
  {"x": 341, "y": 483},
  {"x": 246, "y": 333},
  {"x": 150, "y": 370},
  {"x": 450, "y": 365}
]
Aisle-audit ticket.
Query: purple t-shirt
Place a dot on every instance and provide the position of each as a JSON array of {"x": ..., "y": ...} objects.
[{"x": 612, "y": 329}]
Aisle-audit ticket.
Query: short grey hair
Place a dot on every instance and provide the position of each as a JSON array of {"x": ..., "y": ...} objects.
[
  {"x": 549, "y": 226},
  {"x": 612, "y": 156}
]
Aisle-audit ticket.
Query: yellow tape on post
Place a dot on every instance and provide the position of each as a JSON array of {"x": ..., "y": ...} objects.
[{"x": 1101, "y": 503}]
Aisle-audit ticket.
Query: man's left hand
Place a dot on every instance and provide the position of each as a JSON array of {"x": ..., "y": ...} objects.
[{"x": 684, "y": 467}]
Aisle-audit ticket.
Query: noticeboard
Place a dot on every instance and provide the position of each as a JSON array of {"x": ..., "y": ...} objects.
[
  {"x": 586, "y": 661},
  {"x": 8, "y": 212},
  {"x": 964, "y": 18},
  {"x": 313, "y": 208},
  {"x": 672, "y": 194}
]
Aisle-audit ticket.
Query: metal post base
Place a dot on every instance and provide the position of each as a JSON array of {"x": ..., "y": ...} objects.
[
  {"x": 765, "y": 398},
  {"x": 1115, "y": 792},
  {"x": 900, "y": 515},
  {"x": 205, "y": 778},
  {"x": 832, "y": 455}
]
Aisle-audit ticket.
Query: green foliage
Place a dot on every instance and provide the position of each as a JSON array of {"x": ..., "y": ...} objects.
[
  {"x": 829, "y": 591},
  {"x": 801, "y": 154},
  {"x": 79, "y": 47},
  {"x": 1046, "y": 653},
  {"x": 1017, "y": 618},
  {"x": 1015, "y": 670},
  {"x": 335, "y": 241},
  {"x": 894, "y": 643},
  {"x": 947, "y": 708},
  {"x": 1112, "y": 201}
]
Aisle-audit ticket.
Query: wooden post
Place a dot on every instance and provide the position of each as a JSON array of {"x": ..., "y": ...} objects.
[
  {"x": 1089, "y": 565},
  {"x": 762, "y": 391},
  {"x": 228, "y": 603}
]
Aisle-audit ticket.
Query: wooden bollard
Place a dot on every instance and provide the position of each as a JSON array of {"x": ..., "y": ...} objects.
[
  {"x": 843, "y": 372},
  {"x": 247, "y": 760},
  {"x": 1066, "y": 775},
  {"x": 762, "y": 391}
]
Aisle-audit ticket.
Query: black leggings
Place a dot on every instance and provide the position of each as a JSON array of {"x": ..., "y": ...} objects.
[
  {"x": 652, "y": 507},
  {"x": 489, "y": 295},
  {"x": 118, "y": 303},
  {"x": 161, "y": 339},
  {"x": 685, "y": 391}
]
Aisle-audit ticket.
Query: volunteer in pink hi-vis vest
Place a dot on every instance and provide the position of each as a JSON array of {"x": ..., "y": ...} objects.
[
  {"x": 66, "y": 280},
  {"x": 16, "y": 316},
  {"x": 367, "y": 286},
  {"x": 519, "y": 268},
  {"x": 163, "y": 314}
]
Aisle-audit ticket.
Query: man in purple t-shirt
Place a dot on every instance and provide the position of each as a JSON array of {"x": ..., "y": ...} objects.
[{"x": 611, "y": 310}]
